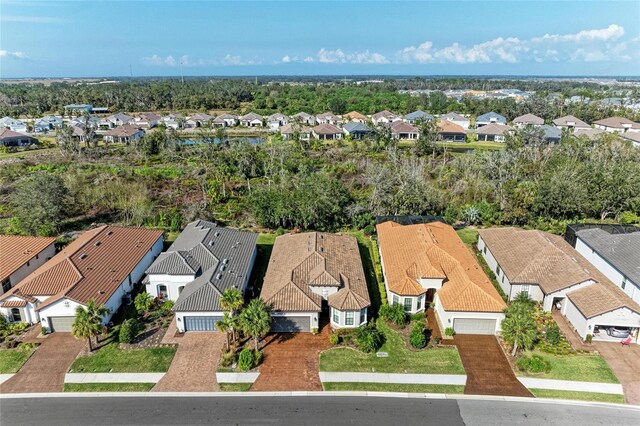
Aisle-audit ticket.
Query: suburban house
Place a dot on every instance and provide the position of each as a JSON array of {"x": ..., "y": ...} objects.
[
  {"x": 355, "y": 116},
  {"x": 616, "y": 255},
  {"x": 528, "y": 119},
  {"x": 417, "y": 116},
  {"x": 10, "y": 138},
  {"x": 493, "y": 132},
  {"x": 123, "y": 134},
  {"x": 490, "y": 118},
  {"x": 173, "y": 121},
  {"x": 617, "y": 124},
  {"x": 384, "y": 117},
  {"x": 277, "y": 120},
  {"x": 589, "y": 133},
  {"x": 78, "y": 108},
  {"x": 356, "y": 129},
  {"x": 102, "y": 264},
  {"x": 550, "y": 271},
  {"x": 86, "y": 120},
  {"x": 202, "y": 263},
  {"x": 147, "y": 120},
  {"x": 552, "y": 134},
  {"x": 20, "y": 256},
  {"x": 326, "y": 132},
  {"x": 13, "y": 124},
  {"x": 289, "y": 130},
  {"x": 570, "y": 122},
  {"x": 225, "y": 120},
  {"x": 448, "y": 131},
  {"x": 47, "y": 123},
  {"x": 427, "y": 263},
  {"x": 304, "y": 118},
  {"x": 634, "y": 137},
  {"x": 310, "y": 270},
  {"x": 404, "y": 131},
  {"x": 455, "y": 118},
  {"x": 199, "y": 119},
  {"x": 79, "y": 132},
  {"x": 328, "y": 118},
  {"x": 116, "y": 120},
  {"x": 250, "y": 120}
]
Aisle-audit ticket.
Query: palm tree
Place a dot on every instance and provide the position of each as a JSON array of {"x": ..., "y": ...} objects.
[
  {"x": 519, "y": 330},
  {"x": 143, "y": 302},
  {"x": 231, "y": 301},
  {"x": 224, "y": 325},
  {"x": 255, "y": 320},
  {"x": 88, "y": 322}
]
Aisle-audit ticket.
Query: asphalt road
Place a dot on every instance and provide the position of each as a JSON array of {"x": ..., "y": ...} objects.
[{"x": 333, "y": 410}]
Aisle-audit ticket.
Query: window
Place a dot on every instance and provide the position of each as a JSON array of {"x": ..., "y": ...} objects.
[
  {"x": 28, "y": 263},
  {"x": 349, "y": 318},
  {"x": 396, "y": 299},
  {"x": 336, "y": 316},
  {"x": 624, "y": 283},
  {"x": 525, "y": 289},
  {"x": 498, "y": 270},
  {"x": 485, "y": 250},
  {"x": 420, "y": 301},
  {"x": 6, "y": 285},
  {"x": 407, "y": 303},
  {"x": 363, "y": 315},
  {"x": 15, "y": 313},
  {"x": 162, "y": 291}
]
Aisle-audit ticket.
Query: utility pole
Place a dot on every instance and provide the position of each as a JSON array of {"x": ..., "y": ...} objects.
[{"x": 181, "y": 73}]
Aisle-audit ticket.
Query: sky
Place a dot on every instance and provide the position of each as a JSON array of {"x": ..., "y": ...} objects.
[{"x": 223, "y": 38}]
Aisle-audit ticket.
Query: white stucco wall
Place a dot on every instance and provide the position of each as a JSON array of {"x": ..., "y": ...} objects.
[
  {"x": 535, "y": 293},
  {"x": 447, "y": 317},
  {"x": 342, "y": 318},
  {"x": 493, "y": 265},
  {"x": 28, "y": 312},
  {"x": 173, "y": 283},
  {"x": 414, "y": 301},
  {"x": 61, "y": 308},
  {"x": 548, "y": 299},
  {"x": 34, "y": 263}
]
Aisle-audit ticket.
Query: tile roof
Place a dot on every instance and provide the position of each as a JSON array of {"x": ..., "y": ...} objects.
[
  {"x": 492, "y": 115},
  {"x": 494, "y": 129},
  {"x": 598, "y": 299},
  {"x": 570, "y": 120},
  {"x": 301, "y": 261},
  {"x": 529, "y": 119},
  {"x": 218, "y": 258},
  {"x": 8, "y": 133},
  {"x": 446, "y": 126},
  {"x": 620, "y": 250},
  {"x": 92, "y": 267},
  {"x": 126, "y": 130},
  {"x": 402, "y": 127},
  {"x": 386, "y": 114},
  {"x": 290, "y": 128},
  {"x": 415, "y": 115},
  {"x": 326, "y": 129},
  {"x": 452, "y": 116},
  {"x": 618, "y": 123},
  {"x": 588, "y": 132},
  {"x": 250, "y": 117},
  {"x": 356, "y": 126},
  {"x": 434, "y": 250},
  {"x": 16, "y": 250},
  {"x": 13, "y": 304},
  {"x": 355, "y": 115}
]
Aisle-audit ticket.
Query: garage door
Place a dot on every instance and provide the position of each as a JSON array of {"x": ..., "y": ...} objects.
[
  {"x": 200, "y": 323},
  {"x": 61, "y": 323},
  {"x": 474, "y": 326},
  {"x": 290, "y": 324}
]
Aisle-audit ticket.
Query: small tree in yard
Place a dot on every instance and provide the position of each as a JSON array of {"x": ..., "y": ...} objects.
[
  {"x": 519, "y": 327},
  {"x": 231, "y": 301},
  {"x": 224, "y": 325},
  {"x": 255, "y": 320},
  {"x": 143, "y": 302},
  {"x": 88, "y": 322}
]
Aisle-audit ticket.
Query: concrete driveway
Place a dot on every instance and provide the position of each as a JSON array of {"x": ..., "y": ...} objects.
[
  {"x": 45, "y": 370},
  {"x": 625, "y": 363}
]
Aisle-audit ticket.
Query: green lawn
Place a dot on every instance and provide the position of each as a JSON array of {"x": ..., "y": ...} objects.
[
  {"x": 110, "y": 359},
  {"x": 265, "y": 246},
  {"x": 108, "y": 387},
  {"x": 400, "y": 359},
  {"x": 28, "y": 152},
  {"x": 235, "y": 387},
  {"x": 582, "y": 368},
  {"x": 580, "y": 396},
  {"x": 468, "y": 236},
  {"x": 11, "y": 360},
  {"x": 393, "y": 387}
]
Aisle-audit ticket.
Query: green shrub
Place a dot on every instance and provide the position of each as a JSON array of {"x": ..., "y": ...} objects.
[
  {"x": 166, "y": 307},
  {"x": 395, "y": 314},
  {"x": 228, "y": 358},
  {"x": 257, "y": 358},
  {"x": 588, "y": 338},
  {"x": 368, "y": 338},
  {"x": 4, "y": 323},
  {"x": 43, "y": 331},
  {"x": 369, "y": 230},
  {"x": 449, "y": 331},
  {"x": 533, "y": 364},
  {"x": 562, "y": 348},
  {"x": 246, "y": 359},
  {"x": 129, "y": 330},
  {"x": 553, "y": 335},
  {"x": 143, "y": 302},
  {"x": 418, "y": 316},
  {"x": 334, "y": 339},
  {"x": 417, "y": 337}
]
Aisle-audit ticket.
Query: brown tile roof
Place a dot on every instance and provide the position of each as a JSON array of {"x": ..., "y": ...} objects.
[
  {"x": 13, "y": 304},
  {"x": 16, "y": 250},
  {"x": 126, "y": 130},
  {"x": 447, "y": 126},
  {"x": 91, "y": 267},
  {"x": 598, "y": 299},
  {"x": 8, "y": 133},
  {"x": 301, "y": 261},
  {"x": 617, "y": 122},
  {"x": 402, "y": 127},
  {"x": 434, "y": 250},
  {"x": 326, "y": 129},
  {"x": 494, "y": 129},
  {"x": 564, "y": 121},
  {"x": 386, "y": 114},
  {"x": 290, "y": 128},
  {"x": 529, "y": 119},
  {"x": 355, "y": 115}
]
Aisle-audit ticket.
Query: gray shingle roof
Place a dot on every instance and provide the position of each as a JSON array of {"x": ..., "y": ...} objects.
[
  {"x": 356, "y": 126},
  {"x": 492, "y": 115},
  {"x": 418, "y": 115},
  {"x": 620, "y": 250}
]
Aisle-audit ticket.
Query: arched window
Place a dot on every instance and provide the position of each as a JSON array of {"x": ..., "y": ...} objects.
[{"x": 163, "y": 293}]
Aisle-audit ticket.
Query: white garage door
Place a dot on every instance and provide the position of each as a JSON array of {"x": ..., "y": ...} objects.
[
  {"x": 201, "y": 323},
  {"x": 61, "y": 323},
  {"x": 474, "y": 326},
  {"x": 290, "y": 324}
]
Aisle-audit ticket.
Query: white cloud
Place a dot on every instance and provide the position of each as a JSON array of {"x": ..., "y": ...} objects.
[
  {"x": 16, "y": 54},
  {"x": 338, "y": 56},
  {"x": 286, "y": 59},
  {"x": 237, "y": 60}
]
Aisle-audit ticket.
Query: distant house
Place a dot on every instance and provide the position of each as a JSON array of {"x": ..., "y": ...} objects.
[
  {"x": 13, "y": 124},
  {"x": 225, "y": 120},
  {"x": 47, "y": 123},
  {"x": 589, "y": 133},
  {"x": 355, "y": 116},
  {"x": 20, "y": 256},
  {"x": 289, "y": 130},
  {"x": 448, "y": 131},
  {"x": 172, "y": 121},
  {"x": 634, "y": 137},
  {"x": 493, "y": 132},
  {"x": 11, "y": 138},
  {"x": 552, "y": 134},
  {"x": 458, "y": 119},
  {"x": 617, "y": 124},
  {"x": 123, "y": 134},
  {"x": 357, "y": 130},
  {"x": 403, "y": 131},
  {"x": 79, "y": 108},
  {"x": 528, "y": 119},
  {"x": 326, "y": 132},
  {"x": 147, "y": 120},
  {"x": 490, "y": 118},
  {"x": 384, "y": 117},
  {"x": 202, "y": 263},
  {"x": 570, "y": 122},
  {"x": 251, "y": 120},
  {"x": 277, "y": 120},
  {"x": 304, "y": 118},
  {"x": 197, "y": 120},
  {"x": 417, "y": 116},
  {"x": 79, "y": 132},
  {"x": 328, "y": 118},
  {"x": 116, "y": 120}
]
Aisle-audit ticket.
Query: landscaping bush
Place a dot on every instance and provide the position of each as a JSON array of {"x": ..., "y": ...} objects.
[
  {"x": 449, "y": 331},
  {"x": 257, "y": 358},
  {"x": 561, "y": 348},
  {"x": 166, "y": 307},
  {"x": 588, "y": 338},
  {"x": 246, "y": 359},
  {"x": 228, "y": 358},
  {"x": 533, "y": 364},
  {"x": 334, "y": 339},
  {"x": 129, "y": 330},
  {"x": 417, "y": 337},
  {"x": 395, "y": 314},
  {"x": 368, "y": 338},
  {"x": 553, "y": 335},
  {"x": 418, "y": 316},
  {"x": 345, "y": 334},
  {"x": 143, "y": 302}
]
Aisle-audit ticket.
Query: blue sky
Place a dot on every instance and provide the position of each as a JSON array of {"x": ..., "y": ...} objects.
[{"x": 153, "y": 38}]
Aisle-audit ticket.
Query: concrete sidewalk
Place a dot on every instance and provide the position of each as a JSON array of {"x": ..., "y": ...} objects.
[
  {"x": 113, "y": 377},
  {"x": 418, "y": 379},
  {"x": 567, "y": 385}
]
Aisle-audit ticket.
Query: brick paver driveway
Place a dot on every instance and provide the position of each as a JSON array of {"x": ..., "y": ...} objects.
[
  {"x": 625, "y": 363},
  {"x": 45, "y": 370},
  {"x": 488, "y": 370},
  {"x": 291, "y": 361}
]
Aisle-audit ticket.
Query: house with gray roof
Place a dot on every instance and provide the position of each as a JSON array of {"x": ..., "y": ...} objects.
[
  {"x": 416, "y": 116},
  {"x": 357, "y": 130},
  {"x": 490, "y": 118},
  {"x": 202, "y": 263}
]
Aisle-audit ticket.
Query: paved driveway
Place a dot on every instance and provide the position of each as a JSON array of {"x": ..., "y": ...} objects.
[
  {"x": 625, "y": 363},
  {"x": 45, "y": 370},
  {"x": 488, "y": 370}
]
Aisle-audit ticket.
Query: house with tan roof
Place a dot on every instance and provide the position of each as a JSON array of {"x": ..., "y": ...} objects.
[
  {"x": 493, "y": 132},
  {"x": 403, "y": 131},
  {"x": 251, "y": 120},
  {"x": 20, "y": 256},
  {"x": 199, "y": 119},
  {"x": 289, "y": 131},
  {"x": 384, "y": 117},
  {"x": 449, "y": 131},
  {"x": 456, "y": 118},
  {"x": 528, "y": 119},
  {"x": 304, "y": 118},
  {"x": 355, "y": 116},
  {"x": 570, "y": 122},
  {"x": 617, "y": 124},
  {"x": 326, "y": 131},
  {"x": 311, "y": 270},
  {"x": 550, "y": 271},
  {"x": 225, "y": 120},
  {"x": 123, "y": 134},
  {"x": 10, "y": 138},
  {"x": 102, "y": 264},
  {"x": 276, "y": 121},
  {"x": 328, "y": 118},
  {"x": 429, "y": 263}
]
